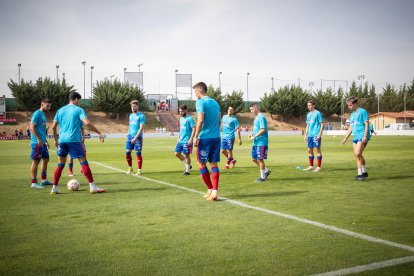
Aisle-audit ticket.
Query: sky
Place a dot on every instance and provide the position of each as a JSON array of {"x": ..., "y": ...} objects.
[{"x": 306, "y": 42}]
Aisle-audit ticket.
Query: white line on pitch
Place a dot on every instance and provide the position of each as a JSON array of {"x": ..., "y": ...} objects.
[
  {"x": 367, "y": 267},
  {"x": 314, "y": 223}
]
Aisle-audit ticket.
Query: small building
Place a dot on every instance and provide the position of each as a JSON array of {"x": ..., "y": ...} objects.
[{"x": 383, "y": 119}]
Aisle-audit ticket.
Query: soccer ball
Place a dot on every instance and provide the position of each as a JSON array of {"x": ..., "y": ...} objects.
[{"x": 73, "y": 185}]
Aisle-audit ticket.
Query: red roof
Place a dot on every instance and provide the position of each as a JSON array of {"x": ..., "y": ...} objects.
[{"x": 408, "y": 114}]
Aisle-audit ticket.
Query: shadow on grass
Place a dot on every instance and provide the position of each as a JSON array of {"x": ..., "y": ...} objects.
[
  {"x": 274, "y": 194},
  {"x": 137, "y": 189}
]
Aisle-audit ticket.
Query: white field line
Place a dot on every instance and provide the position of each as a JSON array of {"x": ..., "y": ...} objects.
[
  {"x": 241, "y": 204},
  {"x": 367, "y": 267}
]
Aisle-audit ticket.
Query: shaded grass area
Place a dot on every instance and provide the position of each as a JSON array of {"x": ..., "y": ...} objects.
[{"x": 143, "y": 227}]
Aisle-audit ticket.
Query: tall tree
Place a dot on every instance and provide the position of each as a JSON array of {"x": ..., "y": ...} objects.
[
  {"x": 235, "y": 99},
  {"x": 215, "y": 93},
  {"x": 29, "y": 95},
  {"x": 328, "y": 102},
  {"x": 114, "y": 97}
]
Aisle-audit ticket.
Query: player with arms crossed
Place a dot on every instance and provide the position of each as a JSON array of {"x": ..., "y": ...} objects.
[
  {"x": 229, "y": 124},
  {"x": 359, "y": 127},
  {"x": 313, "y": 135},
  {"x": 207, "y": 139},
  {"x": 69, "y": 119},
  {"x": 135, "y": 135},
  {"x": 39, "y": 143},
  {"x": 185, "y": 140},
  {"x": 260, "y": 140}
]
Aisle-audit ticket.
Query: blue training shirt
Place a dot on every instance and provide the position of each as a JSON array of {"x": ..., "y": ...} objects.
[
  {"x": 357, "y": 121},
  {"x": 259, "y": 123},
  {"x": 186, "y": 128},
  {"x": 229, "y": 126},
  {"x": 211, "y": 110},
  {"x": 314, "y": 120},
  {"x": 135, "y": 121},
  {"x": 39, "y": 120},
  {"x": 70, "y": 119}
]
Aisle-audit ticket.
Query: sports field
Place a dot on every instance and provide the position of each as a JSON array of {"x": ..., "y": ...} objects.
[{"x": 292, "y": 224}]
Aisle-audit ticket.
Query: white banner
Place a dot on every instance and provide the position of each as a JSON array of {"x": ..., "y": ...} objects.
[
  {"x": 134, "y": 78},
  {"x": 184, "y": 80}
]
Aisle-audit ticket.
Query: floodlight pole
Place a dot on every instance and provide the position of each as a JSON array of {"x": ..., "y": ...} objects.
[
  {"x": 84, "y": 79},
  {"x": 176, "y": 71},
  {"x": 273, "y": 89},
  {"x": 57, "y": 72},
  {"x": 220, "y": 80},
  {"x": 125, "y": 69},
  {"x": 19, "y": 65},
  {"x": 92, "y": 67},
  {"x": 247, "y": 91}
]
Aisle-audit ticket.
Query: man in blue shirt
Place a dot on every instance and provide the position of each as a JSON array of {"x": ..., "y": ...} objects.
[
  {"x": 39, "y": 144},
  {"x": 260, "y": 140},
  {"x": 70, "y": 118},
  {"x": 313, "y": 135},
  {"x": 185, "y": 140},
  {"x": 134, "y": 138},
  {"x": 207, "y": 139},
  {"x": 229, "y": 125},
  {"x": 359, "y": 127}
]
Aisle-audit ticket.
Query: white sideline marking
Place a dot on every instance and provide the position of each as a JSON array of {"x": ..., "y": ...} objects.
[
  {"x": 367, "y": 267},
  {"x": 314, "y": 223}
]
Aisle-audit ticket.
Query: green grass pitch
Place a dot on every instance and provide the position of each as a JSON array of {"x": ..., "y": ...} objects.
[{"x": 143, "y": 227}]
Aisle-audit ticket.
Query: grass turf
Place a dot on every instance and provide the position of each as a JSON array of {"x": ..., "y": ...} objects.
[{"x": 144, "y": 227}]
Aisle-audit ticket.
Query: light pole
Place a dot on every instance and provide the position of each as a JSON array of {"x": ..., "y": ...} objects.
[
  {"x": 220, "y": 80},
  {"x": 247, "y": 92},
  {"x": 57, "y": 72},
  {"x": 19, "y": 65},
  {"x": 311, "y": 84},
  {"x": 63, "y": 76},
  {"x": 361, "y": 77},
  {"x": 111, "y": 77},
  {"x": 273, "y": 88},
  {"x": 92, "y": 67},
  {"x": 125, "y": 69},
  {"x": 139, "y": 67},
  {"x": 176, "y": 71},
  {"x": 84, "y": 78}
]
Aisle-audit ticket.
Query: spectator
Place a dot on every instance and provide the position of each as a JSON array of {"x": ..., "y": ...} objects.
[
  {"x": 16, "y": 133},
  {"x": 28, "y": 131}
]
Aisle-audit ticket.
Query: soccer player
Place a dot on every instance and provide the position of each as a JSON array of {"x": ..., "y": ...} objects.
[
  {"x": 313, "y": 135},
  {"x": 260, "y": 140},
  {"x": 135, "y": 134},
  {"x": 359, "y": 127},
  {"x": 39, "y": 143},
  {"x": 70, "y": 163},
  {"x": 69, "y": 119},
  {"x": 207, "y": 139},
  {"x": 371, "y": 129},
  {"x": 229, "y": 125},
  {"x": 185, "y": 139}
]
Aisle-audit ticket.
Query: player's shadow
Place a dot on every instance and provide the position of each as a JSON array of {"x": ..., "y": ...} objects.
[
  {"x": 137, "y": 189},
  {"x": 274, "y": 194},
  {"x": 394, "y": 177}
]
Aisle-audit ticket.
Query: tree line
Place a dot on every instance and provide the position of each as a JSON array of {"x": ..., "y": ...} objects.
[{"x": 113, "y": 97}]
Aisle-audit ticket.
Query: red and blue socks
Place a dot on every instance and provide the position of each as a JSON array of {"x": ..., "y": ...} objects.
[
  {"x": 311, "y": 160},
  {"x": 129, "y": 158},
  {"x": 139, "y": 160},
  {"x": 205, "y": 175},
  {"x": 58, "y": 173},
  {"x": 215, "y": 175},
  {"x": 87, "y": 171},
  {"x": 319, "y": 158}
]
